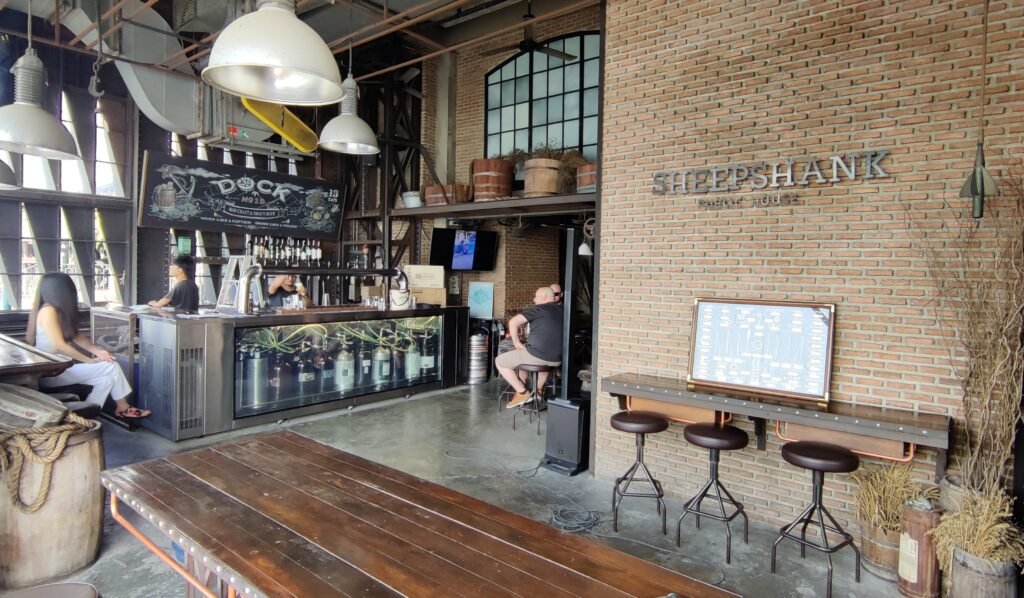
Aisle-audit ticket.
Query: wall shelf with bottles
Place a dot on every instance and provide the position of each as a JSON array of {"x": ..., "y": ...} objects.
[{"x": 290, "y": 366}]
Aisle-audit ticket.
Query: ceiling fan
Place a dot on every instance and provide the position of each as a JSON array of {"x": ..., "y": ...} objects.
[{"x": 528, "y": 44}]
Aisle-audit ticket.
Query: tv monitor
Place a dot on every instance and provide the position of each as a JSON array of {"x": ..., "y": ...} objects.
[{"x": 463, "y": 250}]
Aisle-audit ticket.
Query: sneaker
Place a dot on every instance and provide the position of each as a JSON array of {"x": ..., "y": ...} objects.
[{"x": 518, "y": 399}]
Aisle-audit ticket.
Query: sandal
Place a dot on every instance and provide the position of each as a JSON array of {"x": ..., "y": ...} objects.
[{"x": 133, "y": 413}]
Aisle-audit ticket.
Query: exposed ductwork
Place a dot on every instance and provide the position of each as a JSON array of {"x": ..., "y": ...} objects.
[{"x": 174, "y": 99}]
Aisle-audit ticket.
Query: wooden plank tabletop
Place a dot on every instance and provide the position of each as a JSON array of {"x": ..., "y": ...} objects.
[
  {"x": 284, "y": 515},
  {"x": 17, "y": 357}
]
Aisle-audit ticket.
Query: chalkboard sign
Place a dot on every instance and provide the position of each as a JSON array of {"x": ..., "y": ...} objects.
[
  {"x": 201, "y": 195},
  {"x": 762, "y": 348}
]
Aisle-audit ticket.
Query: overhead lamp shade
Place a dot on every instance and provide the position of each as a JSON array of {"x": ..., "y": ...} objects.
[
  {"x": 25, "y": 127},
  {"x": 7, "y": 178},
  {"x": 347, "y": 133},
  {"x": 585, "y": 250},
  {"x": 270, "y": 55}
]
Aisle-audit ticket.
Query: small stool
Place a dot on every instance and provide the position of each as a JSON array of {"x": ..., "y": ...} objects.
[
  {"x": 715, "y": 438},
  {"x": 819, "y": 457},
  {"x": 640, "y": 423},
  {"x": 536, "y": 402}
]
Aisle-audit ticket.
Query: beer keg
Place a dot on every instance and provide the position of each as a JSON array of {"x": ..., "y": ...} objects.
[{"x": 479, "y": 359}]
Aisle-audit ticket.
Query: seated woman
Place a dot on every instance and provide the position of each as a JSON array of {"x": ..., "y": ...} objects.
[{"x": 53, "y": 327}]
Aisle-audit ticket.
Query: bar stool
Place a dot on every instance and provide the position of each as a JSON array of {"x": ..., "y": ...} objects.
[
  {"x": 715, "y": 438},
  {"x": 640, "y": 423},
  {"x": 536, "y": 402},
  {"x": 57, "y": 590},
  {"x": 819, "y": 457}
]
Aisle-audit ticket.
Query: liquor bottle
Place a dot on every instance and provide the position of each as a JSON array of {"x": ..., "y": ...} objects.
[
  {"x": 398, "y": 365},
  {"x": 306, "y": 373},
  {"x": 304, "y": 253},
  {"x": 324, "y": 365},
  {"x": 364, "y": 365},
  {"x": 428, "y": 352},
  {"x": 344, "y": 367},
  {"x": 413, "y": 362},
  {"x": 281, "y": 380}
]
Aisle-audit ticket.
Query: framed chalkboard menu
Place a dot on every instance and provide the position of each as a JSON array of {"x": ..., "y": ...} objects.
[
  {"x": 202, "y": 195},
  {"x": 762, "y": 348}
]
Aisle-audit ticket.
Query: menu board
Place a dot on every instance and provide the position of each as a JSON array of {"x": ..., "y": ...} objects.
[
  {"x": 780, "y": 349},
  {"x": 201, "y": 195}
]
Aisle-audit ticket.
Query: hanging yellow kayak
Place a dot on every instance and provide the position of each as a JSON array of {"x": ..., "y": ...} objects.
[{"x": 283, "y": 121}]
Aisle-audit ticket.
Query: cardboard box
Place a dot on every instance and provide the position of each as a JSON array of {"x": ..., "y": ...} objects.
[
  {"x": 430, "y": 295},
  {"x": 425, "y": 277}
]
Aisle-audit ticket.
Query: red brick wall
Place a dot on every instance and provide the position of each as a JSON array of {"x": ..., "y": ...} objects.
[
  {"x": 531, "y": 262},
  {"x": 703, "y": 83}
]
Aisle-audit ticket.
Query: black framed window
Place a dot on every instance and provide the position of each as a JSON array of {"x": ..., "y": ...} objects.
[{"x": 535, "y": 99}]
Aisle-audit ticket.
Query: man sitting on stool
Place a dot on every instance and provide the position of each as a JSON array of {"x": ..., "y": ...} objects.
[{"x": 543, "y": 347}]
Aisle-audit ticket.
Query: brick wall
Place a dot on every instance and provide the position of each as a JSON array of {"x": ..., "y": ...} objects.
[
  {"x": 703, "y": 83},
  {"x": 531, "y": 262}
]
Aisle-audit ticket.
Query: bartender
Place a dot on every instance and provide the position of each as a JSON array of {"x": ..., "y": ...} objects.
[{"x": 286, "y": 285}]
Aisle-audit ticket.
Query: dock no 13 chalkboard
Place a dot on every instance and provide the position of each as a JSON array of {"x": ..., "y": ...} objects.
[
  {"x": 201, "y": 195},
  {"x": 762, "y": 348}
]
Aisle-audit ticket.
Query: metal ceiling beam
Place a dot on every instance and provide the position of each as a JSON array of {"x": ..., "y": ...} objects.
[
  {"x": 118, "y": 26},
  {"x": 427, "y": 41},
  {"x": 381, "y": 23},
  {"x": 336, "y": 46},
  {"x": 479, "y": 40},
  {"x": 103, "y": 17}
]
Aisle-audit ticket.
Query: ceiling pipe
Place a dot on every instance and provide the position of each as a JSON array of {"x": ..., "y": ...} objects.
[
  {"x": 383, "y": 22},
  {"x": 178, "y": 58},
  {"x": 479, "y": 40},
  {"x": 117, "y": 26},
  {"x": 397, "y": 28},
  {"x": 110, "y": 12},
  {"x": 427, "y": 41}
]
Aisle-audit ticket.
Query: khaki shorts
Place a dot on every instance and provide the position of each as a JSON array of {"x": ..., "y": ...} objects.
[{"x": 518, "y": 357}]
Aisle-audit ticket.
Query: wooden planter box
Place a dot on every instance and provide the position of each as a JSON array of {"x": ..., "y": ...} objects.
[{"x": 449, "y": 194}]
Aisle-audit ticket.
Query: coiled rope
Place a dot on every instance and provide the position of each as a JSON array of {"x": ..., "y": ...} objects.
[{"x": 42, "y": 446}]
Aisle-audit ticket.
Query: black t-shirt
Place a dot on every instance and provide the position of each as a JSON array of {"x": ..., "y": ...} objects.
[
  {"x": 276, "y": 299},
  {"x": 184, "y": 296},
  {"x": 545, "y": 340}
]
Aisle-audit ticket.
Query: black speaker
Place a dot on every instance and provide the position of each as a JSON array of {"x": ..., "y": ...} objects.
[{"x": 568, "y": 441}]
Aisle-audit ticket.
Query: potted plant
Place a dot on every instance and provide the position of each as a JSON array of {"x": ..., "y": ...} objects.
[
  {"x": 492, "y": 178},
  {"x": 977, "y": 267},
  {"x": 880, "y": 494},
  {"x": 541, "y": 172}
]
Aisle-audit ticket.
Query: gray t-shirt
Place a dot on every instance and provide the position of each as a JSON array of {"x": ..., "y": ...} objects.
[{"x": 545, "y": 340}]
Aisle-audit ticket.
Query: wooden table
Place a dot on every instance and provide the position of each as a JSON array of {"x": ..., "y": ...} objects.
[
  {"x": 280, "y": 514},
  {"x": 24, "y": 364}
]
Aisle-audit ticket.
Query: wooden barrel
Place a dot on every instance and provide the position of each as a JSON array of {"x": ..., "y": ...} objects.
[
  {"x": 436, "y": 195},
  {"x": 541, "y": 177},
  {"x": 64, "y": 535},
  {"x": 981, "y": 578},
  {"x": 586, "y": 178},
  {"x": 492, "y": 179},
  {"x": 880, "y": 551},
  {"x": 919, "y": 564}
]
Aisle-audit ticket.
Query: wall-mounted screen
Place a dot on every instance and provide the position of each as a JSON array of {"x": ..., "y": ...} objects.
[
  {"x": 762, "y": 348},
  {"x": 463, "y": 249}
]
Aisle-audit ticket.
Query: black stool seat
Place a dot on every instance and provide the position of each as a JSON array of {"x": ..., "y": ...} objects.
[
  {"x": 712, "y": 436},
  {"x": 820, "y": 456},
  {"x": 533, "y": 367},
  {"x": 639, "y": 422}
]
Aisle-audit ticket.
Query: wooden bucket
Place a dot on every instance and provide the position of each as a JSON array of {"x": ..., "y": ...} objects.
[
  {"x": 586, "y": 178},
  {"x": 981, "y": 578},
  {"x": 880, "y": 551},
  {"x": 435, "y": 195},
  {"x": 919, "y": 564},
  {"x": 64, "y": 535},
  {"x": 492, "y": 179},
  {"x": 541, "y": 177}
]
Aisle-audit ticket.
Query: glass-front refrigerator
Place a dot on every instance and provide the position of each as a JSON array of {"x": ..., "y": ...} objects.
[{"x": 288, "y": 366}]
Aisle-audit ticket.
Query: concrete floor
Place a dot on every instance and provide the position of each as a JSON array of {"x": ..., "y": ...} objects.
[{"x": 459, "y": 439}]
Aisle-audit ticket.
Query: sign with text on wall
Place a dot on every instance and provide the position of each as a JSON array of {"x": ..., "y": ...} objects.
[
  {"x": 197, "y": 194},
  {"x": 774, "y": 182}
]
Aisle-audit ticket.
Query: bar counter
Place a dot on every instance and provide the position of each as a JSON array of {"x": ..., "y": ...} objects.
[{"x": 208, "y": 373}]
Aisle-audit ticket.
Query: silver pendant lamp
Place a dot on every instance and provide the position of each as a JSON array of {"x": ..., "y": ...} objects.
[
  {"x": 25, "y": 127},
  {"x": 270, "y": 55},
  {"x": 347, "y": 133}
]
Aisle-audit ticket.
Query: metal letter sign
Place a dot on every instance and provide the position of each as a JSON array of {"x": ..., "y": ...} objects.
[{"x": 201, "y": 195}]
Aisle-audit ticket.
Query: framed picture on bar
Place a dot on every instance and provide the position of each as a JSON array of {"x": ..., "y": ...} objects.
[{"x": 780, "y": 349}]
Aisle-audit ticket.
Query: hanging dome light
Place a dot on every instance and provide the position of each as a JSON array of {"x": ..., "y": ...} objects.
[
  {"x": 25, "y": 127},
  {"x": 270, "y": 55},
  {"x": 7, "y": 178},
  {"x": 347, "y": 133}
]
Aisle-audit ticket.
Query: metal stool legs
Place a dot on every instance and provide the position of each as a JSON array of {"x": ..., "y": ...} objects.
[
  {"x": 533, "y": 406},
  {"x": 693, "y": 506},
  {"x": 627, "y": 478},
  {"x": 813, "y": 516}
]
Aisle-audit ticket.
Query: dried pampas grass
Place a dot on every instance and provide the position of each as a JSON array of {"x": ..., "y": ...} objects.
[
  {"x": 983, "y": 528},
  {"x": 882, "y": 491}
]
